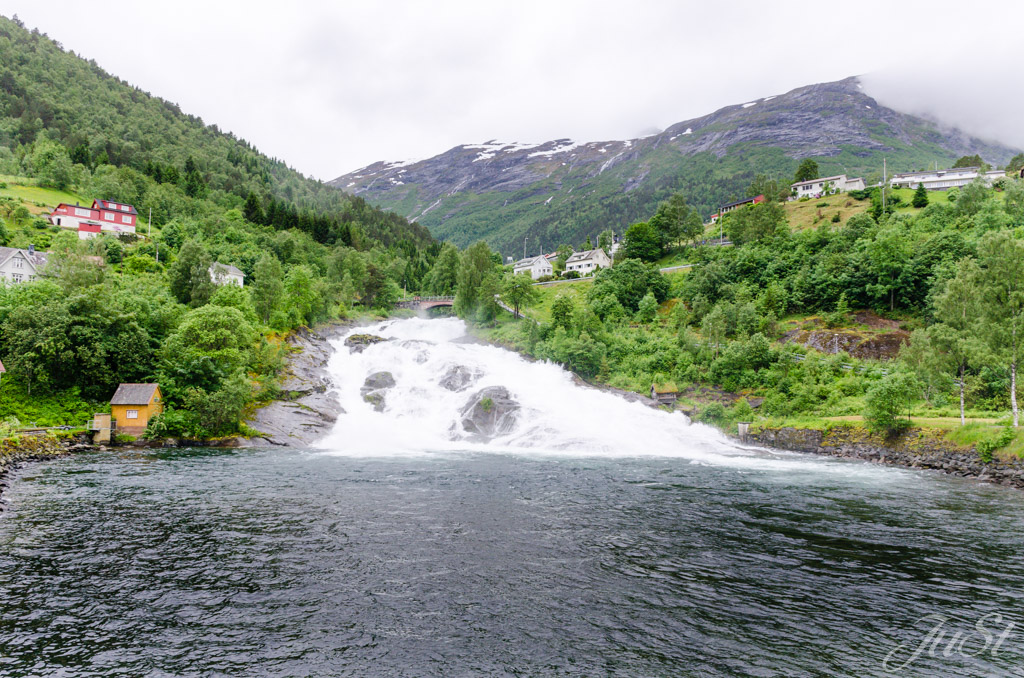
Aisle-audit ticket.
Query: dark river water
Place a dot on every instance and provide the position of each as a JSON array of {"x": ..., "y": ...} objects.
[{"x": 290, "y": 563}]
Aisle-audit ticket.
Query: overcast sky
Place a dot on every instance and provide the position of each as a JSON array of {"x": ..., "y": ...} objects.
[{"x": 331, "y": 86}]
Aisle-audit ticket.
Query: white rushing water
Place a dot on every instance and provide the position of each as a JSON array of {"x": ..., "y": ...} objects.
[{"x": 557, "y": 416}]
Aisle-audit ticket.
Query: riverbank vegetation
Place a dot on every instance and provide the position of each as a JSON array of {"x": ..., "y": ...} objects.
[{"x": 891, "y": 315}]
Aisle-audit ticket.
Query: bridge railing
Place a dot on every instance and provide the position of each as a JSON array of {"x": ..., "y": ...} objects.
[{"x": 409, "y": 300}]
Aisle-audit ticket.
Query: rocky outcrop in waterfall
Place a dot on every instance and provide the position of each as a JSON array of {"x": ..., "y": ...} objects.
[
  {"x": 489, "y": 413},
  {"x": 375, "y": 387},
  {"x": 358, "y": 342},
  {"x": 459, "y": 378}
]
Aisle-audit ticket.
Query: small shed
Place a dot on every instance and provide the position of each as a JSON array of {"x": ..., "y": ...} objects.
[
  {"x": 133, "y": 405},
  {"x": 665, "y": 393}
]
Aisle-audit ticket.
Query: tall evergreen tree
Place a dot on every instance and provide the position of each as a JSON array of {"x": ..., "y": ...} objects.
[
  {"x": 194, "y": 184},
  {"x": 920, "y": 197},
  {"x": 252, "y": 210}
]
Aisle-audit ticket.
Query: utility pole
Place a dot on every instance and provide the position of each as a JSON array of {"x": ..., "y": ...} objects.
[
  {"x": 885, "y": 180},
  {"x": 524, "y": 246},
  {"x": 149, "y": 223}
]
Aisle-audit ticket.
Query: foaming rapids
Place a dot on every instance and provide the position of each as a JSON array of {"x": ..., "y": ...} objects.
[{"x": 556, "y": 415}]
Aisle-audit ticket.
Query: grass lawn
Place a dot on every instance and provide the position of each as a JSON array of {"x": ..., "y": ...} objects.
[
  {"x": 542, "y": 309},
  {"x": 803, "y": 215},
  {"x": 907, "y": 194},
  {"x": 36, "y": 199}
]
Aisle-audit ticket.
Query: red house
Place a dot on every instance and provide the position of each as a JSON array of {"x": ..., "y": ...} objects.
[{"x": 104, "y": 215}]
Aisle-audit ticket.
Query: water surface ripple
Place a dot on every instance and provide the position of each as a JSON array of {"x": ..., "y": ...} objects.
[{"x": 283, "y": 563}]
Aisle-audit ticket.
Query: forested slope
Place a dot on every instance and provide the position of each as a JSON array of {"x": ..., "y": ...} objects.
[
  {"x": 104, "y": 121},
  {"x": 141, "y": 308}
]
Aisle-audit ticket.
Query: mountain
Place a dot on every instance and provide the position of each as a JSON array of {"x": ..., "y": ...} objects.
[
  {"x": 102, "y": 120},
  {"x": 562, "y": 190}
]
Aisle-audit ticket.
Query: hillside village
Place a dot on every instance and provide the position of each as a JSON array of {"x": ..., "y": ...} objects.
[{"x": 586, "y": 263}]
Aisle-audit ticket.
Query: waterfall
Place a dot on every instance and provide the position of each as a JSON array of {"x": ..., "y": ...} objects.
[{"x": 556, "y": 417}]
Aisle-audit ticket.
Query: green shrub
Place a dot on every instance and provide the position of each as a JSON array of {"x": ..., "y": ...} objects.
[
  {"x": 887, "y": 401},
  {"x": 712, "y": 413},
  {"x": 741, "y": 411},
  {"x": 486, "y": 404},
  {"x": 985, "y": 448}
]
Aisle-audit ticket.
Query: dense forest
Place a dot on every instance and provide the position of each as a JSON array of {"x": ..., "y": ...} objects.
[{"x": 144, "y": 307}]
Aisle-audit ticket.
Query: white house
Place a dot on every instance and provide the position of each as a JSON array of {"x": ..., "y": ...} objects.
[
  {"x": 226, "y": 274},
  {"x": 941, "y": 180},
  {"x": 17, "y": 266},
  {"x": 535, "y": 266},
  {"x": 587, "y": 262},
  {"x": 814, "y": 188}
]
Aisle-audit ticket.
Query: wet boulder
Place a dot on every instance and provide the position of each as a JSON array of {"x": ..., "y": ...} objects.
[
  {"x": 489, "y": 413},
  {"x": 459, "y": 378},
  {"x": 358, "y": 342},
  {"x": 374, "y": 388}
]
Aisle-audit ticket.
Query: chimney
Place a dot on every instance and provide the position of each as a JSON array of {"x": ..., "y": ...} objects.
[{"x": 31, "y": 249}]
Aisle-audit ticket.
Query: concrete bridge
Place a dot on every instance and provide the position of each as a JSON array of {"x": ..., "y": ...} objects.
[{"x": 423, "y": 303}]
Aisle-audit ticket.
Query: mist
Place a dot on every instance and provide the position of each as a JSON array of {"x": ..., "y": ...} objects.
[{"x": 981, "y": 97}]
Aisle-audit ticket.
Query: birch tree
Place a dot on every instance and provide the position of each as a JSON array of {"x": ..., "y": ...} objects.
[
  {"x": 954, "y": 338},
  {"x": 1001, "y": 256}
]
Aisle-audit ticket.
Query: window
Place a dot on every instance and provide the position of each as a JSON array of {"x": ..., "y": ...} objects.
[
  {"x": 108, "y": 216},
  {"x": 82, "y": 212},
  {"x": 132, "y": 414},
  {"x": 19, "y": 263},
  {"x": 126, "y": 218},
  {"x": 16, "y": 278}
]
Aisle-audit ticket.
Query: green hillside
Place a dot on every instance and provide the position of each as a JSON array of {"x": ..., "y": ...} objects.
[
  {"x": 140, "y": 308},
  {"x": 112, "y": 135}
]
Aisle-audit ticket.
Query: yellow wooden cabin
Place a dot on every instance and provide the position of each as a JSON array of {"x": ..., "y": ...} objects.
[{"x": 133, "y": 405}]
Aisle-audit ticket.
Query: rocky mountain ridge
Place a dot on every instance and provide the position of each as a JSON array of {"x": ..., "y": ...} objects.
[{"x": 562, "y": 190}]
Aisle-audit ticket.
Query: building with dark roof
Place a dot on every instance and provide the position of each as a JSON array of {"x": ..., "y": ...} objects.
[{"x": 133, "y": 405}]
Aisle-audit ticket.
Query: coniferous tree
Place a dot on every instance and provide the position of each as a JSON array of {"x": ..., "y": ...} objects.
[
  {"x": 920, "y": 197},
  {"x": 194, "y": 184},
  {"x": 252, "y": 210}
]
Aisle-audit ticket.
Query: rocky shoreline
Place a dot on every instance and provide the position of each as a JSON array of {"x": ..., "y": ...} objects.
[
  {"x": 15, "y": 454},
  {"x": 308, "y": 409},
  {"x": 914, "y": 449}
]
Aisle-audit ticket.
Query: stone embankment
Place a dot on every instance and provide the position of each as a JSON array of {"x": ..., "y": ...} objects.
[
  {"x": 17, "y": 451},
  {"x": 915, "y": 448}
]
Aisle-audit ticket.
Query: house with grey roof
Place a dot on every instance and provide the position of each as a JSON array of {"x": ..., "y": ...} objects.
[
  {"x": 226, "y": 274},
  {"x": 537, "y": 267},
  {"x": 587, "y": 262},
  {"x": 18, "y": 266}
]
